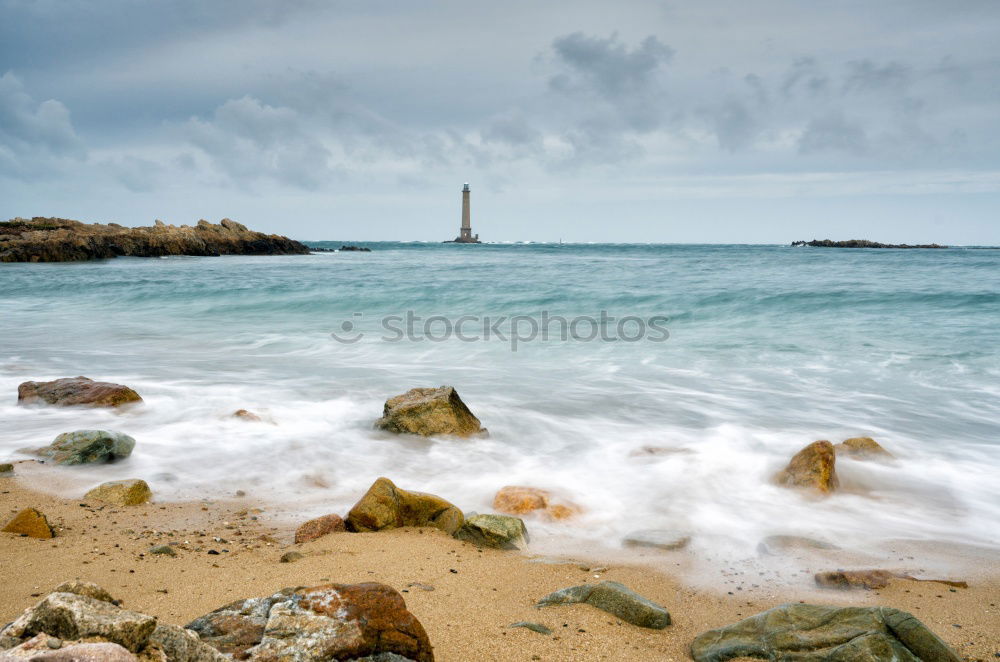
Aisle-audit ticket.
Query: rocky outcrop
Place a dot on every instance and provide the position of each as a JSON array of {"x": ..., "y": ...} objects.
[
  {"x": 71, "y": 391},
  {"x": 522, "y": 500},
  {"x": 386, "y": 506},
  {"x": 824, "y": 634},
  {"x": 665, "y": 539},
  {"x": 131, "y": 492},
  {"x": 615, "y": 599},
  {"x": 862, "y": 448},
  {"x": 427, "y": 412},
  {"x": 498, "y": 531},
  {"x": 859, "y": 243},
  {"x": 329, "y": 622},
  {"x": 88, "y": 447},
  {"x": 812, "y": 468},
  {"x": 319, "y": 527},
  {"x": 62, "y": 240},
  {"x": 30, "y": 522}
]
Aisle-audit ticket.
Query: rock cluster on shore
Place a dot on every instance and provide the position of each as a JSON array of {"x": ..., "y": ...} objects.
[{"x": 61, "y": 240}]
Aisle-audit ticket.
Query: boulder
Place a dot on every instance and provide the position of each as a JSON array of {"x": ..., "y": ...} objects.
[
  {"x": 427, "y": 412},
  {"x": 848, "y": 579},
  {"x": 812, "y": 468},
  {"x": 318, "y": 527},
  {"x": 238, "y": 626},
  {"x": 499, "y": 531},
  {"x": 85, "y": 589},
  {"x": 615, "y": 599},
  {"x": 131, "y": 492},
  {"x": 862, "y": 448},
  {"x": 30, "y": 522},
  {"x": 666, "y": 539},
  {"x": 386, "y": 506},
  {"x": 329, "y": 622},
  {"x": 72, "y": 616},
  {"x": 782, "y": 544},
  {"x": 88, "y": 446},
  {"x": 813, "y": 633},
  {"x": 42, "y": 647},
  {"x": 71, "y": 391},
  {"x": 522, "y": 500},
  {"x": 180, "y": 645}
]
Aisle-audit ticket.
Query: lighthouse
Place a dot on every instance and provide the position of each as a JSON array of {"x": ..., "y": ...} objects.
[{"x": 465, "y": 235}]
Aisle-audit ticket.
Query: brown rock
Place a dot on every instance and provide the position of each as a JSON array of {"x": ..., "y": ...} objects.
[
  {"x": 30, "y": 522},
  {"x": 862, "y": 448},
  {"x": 247, "y": 416},
  {"x": 427, "y": 412},
  {"x": 521, "y": 500},
  {"x": 386, "y": 506},
  {"x": 848, "y": 579},
  {"x": 813, "y": 467},
  {"x": 358, "y": 620},
  {"x": 318, "y": 527},
  {"x": 71, "y": 391},
  {"x": 132, "y": 492},
  {"x": 329, "y": 622}
]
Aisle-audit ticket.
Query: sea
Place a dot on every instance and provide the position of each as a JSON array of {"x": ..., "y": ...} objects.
[{"x": 652, "y": 386}]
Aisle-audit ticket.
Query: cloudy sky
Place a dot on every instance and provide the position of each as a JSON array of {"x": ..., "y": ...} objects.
[{"x": 716, "y": 121}]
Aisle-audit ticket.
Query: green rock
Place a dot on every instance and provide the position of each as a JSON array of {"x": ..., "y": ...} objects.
[
  {"x": 534, "y": 627},
  {"x": 165, "y": 550},
  {"x": 499, "y": 531},
  {"x": 131, "y": 492},
  {"x": 6, "y": 468},
  {"x": 813, "y": 633},
  {"x": 615, "y": 599},
  {"x": 88, "y": 446},
  {"x": 427, "y": 412}
]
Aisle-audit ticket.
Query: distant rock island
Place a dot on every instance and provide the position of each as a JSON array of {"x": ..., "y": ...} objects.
[
  {"x": 859, "y": 243},
  {"x": 62, "y": 240}
]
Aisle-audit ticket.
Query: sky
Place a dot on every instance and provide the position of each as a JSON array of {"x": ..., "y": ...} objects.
[{"x": 718, "y": 121}]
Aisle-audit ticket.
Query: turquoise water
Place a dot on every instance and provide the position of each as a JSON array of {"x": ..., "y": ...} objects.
[{"x": 769, "y": 348}]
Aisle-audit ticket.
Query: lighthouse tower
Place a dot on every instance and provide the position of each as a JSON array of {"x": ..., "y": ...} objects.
[{"x": 465, "y": 235}]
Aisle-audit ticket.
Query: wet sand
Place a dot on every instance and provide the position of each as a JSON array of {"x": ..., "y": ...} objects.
[{"x": 465, "y": 597}]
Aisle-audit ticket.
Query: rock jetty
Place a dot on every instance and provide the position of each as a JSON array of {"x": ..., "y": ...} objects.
[
  {"x": 860, "y": 243},
  {"x": 62, "y": 240}
]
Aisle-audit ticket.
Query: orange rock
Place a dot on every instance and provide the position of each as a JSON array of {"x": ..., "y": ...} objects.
[
  {"x": 30, "y": 522},
  {"x": 813, "y": 467},
  {"x": 521, "y": 500},
  {"x": 863, "y": 448},
  {"x": 318, "y": 527}
]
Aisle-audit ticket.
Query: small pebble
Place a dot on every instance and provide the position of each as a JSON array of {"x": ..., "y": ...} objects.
[{"x": 54, "y": 643}]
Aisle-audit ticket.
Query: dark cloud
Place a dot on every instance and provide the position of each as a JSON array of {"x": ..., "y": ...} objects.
[{"x": 607, "y": 65}]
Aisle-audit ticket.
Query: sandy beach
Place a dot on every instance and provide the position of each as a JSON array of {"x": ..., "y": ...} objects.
[{"x": 465, "y": 597}]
